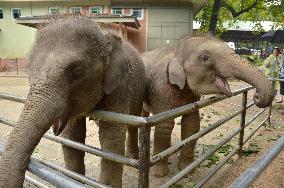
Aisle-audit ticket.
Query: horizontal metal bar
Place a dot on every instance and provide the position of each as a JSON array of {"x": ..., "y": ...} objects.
[
  {"x": 118, "y": 118},
  {"x": 12, "y": 97},
  {"x": 216, "y": 168},
  {"x": 254, "y": 131},
  {"x": 53, "y": 177},
  {"x": 276, "y": 79},
  {"x": 138, "y": 121},
  {"x": 198, "y": 161},
  {"x": 80, "y": 178},
  {"x": 254, "y": 117},
  {"x": 170, "y": 114},
  {"x": 176, "y": 147},
  {"x": 35, "y": 182},
  {"x": 49, "y": 175},
  {"x": 251, "y": 174},
  {"x": 86, "y": 148}
]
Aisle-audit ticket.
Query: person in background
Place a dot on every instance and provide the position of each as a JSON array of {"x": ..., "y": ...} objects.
[
  {"x": 281, "y": 77},
  {"x": 272, "y": 65}
]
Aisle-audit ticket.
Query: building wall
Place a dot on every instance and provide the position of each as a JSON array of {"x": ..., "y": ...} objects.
[
  {"x": 167, "y": 25},
  {"x": 16, "y": 40},
  {"x": 159, "y": 26}
]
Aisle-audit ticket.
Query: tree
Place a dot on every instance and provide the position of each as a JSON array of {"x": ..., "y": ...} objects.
[{"x": 216, "y": 12}]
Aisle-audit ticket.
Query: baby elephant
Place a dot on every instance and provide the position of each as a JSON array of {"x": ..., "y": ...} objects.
[
  {"x": 75, "y": 67},
  {"x": 178, "y": 75}
]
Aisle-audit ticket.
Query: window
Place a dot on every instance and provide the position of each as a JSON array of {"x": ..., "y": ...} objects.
[
  {"x": 53, "y": 10},
  {"x": 116, "y": 11},
  {"x": 95, "y": 10},
  {"x": 76, "y": 10},
  {"x": 16, "y": 12},
  {"x": 138, "y": 13},
  {"x": 1, "y": 14}
]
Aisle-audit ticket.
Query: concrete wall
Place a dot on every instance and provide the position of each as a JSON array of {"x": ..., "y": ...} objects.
[{"x": 167, "y": 25}]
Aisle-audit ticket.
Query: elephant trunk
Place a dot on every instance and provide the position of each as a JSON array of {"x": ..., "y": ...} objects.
[
  {"x": 34, "y": 122},
  {"x": 246, "y": 72}
]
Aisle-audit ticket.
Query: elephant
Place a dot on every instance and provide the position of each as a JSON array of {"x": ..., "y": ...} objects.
[
  {"x": 197, "y": 65},
  {"x": 74, "y": 68}
]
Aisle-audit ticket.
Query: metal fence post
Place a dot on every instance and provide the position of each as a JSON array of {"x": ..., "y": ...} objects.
[
  {"x": 144, "y": 152},
  {"x": 270, "y": 108},
  {"x": 17, "y": 67},
  {"x": 243, "y": 122}
]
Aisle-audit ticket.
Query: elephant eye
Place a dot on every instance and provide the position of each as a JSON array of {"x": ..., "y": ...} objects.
[
  {"x": 205, "y": 57},
  {"x": 76, "y": 73}
]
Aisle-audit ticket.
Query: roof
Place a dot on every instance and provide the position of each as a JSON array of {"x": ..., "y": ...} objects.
[
  {"x": 242, "y": 36},
  {"x": 35, "y": 21}
]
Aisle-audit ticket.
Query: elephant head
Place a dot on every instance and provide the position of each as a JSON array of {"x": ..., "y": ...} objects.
[
  {"x": 204, "y": 63},
  {"x": 71, "y": 67}
]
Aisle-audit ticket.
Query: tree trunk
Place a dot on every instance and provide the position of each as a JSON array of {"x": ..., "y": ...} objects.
[{"x": 214, "y": 16}]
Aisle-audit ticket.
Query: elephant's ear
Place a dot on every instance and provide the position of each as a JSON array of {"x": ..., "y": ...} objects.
[
  {"x": 176, "y": 73},
  {"x": 116, "y": 68}
]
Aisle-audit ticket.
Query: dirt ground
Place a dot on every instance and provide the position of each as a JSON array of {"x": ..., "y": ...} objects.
[{"x": 264, "y": 138}]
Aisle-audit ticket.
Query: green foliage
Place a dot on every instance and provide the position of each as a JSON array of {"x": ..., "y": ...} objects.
[
  {"x": 254, "y": 59},
  {"x": 176, "y": 186},
  {"x": 252, "y": 148},
  {"x": 261, "y": 12},
  {"x": 226, "y": 149}
]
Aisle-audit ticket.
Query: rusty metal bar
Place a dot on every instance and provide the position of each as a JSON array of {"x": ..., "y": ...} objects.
[
  {"x": 198, "y": 161},
  {"x": 49, "y": 175},
  {"x": 242, "y": 123},
  {"x": 254, "y": 117},
  {"x": 82, "y": 147},
  {"x": 35, "y": 182},
  {"x": 144, "y": 153},
  {"x": 170, "y": 114},
  {"x": 71, "y": 174},
  {"x": 254, "y": 131},
  {"x": 216, "y": 168},
  {"x": 251, "y": 174},
  {"x": 118, "y": 118},
  {"x": 201, "y": 133}
]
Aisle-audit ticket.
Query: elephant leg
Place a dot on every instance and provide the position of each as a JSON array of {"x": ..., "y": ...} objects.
[
  {"x": 190, "y": 124},
  {"x": 112, "y": 138},
  {"x": 132, "y": 142},
  {"x": 162, "y": 141},
  {"x": 74, "y": 159},
  {"x": 132, "y": 139}
]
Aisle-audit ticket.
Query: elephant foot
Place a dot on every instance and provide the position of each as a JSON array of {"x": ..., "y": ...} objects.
[
  {"x": 134, "y": 154},
  {"x": 160, "y": 170},
  {"x": 184, "y": 162}
]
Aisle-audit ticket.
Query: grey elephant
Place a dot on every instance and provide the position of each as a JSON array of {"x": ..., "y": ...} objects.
[
  {"x": 74, "y": 67},
  {"x": 179, "y": 75}
]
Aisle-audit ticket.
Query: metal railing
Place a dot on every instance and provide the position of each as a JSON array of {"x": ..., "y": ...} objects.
[
  {"x": 145, "y": 123},
  {"x": 250, "y": 175}
]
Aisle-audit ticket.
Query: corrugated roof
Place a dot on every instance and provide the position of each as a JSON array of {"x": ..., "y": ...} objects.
[{"x": 35, "y": 21}]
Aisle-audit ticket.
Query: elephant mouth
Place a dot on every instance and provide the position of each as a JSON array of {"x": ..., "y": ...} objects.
[
  {"x": 222, "y": 84},
  {"x": 60, "y": 123}
]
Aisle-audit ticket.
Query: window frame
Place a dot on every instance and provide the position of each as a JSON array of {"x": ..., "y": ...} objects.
[
  {"x": 99, "y": 7},
  {"x": 142, "y": 13},
  {"x": 1, "y": 9},
  {"x": 81, "y": 10},
  {"x": 12, "y": 14},
  {"x": 122, "y": 10},
  {"x": 49, "y": 8}
]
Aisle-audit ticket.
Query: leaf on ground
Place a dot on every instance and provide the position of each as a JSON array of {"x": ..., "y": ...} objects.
[
  {"x": 252, "y": 148},
  {"x": 176, "y": 186},
  {"x": 272, "y": 139}
]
